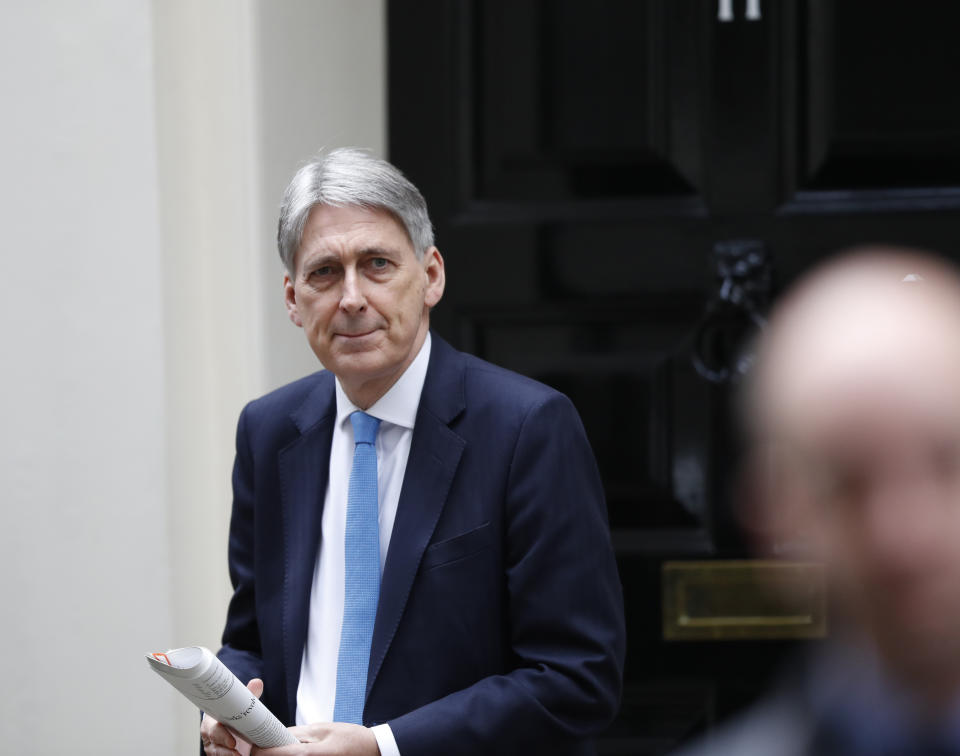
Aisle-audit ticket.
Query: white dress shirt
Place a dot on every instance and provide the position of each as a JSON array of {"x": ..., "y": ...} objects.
[{"x": 397, "y": 411}]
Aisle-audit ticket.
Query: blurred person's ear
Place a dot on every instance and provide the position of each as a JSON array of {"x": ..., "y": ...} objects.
[{"x": 775, "y": 497}]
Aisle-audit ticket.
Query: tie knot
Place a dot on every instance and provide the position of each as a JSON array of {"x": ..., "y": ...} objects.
[{"x": 364, "y": 427}]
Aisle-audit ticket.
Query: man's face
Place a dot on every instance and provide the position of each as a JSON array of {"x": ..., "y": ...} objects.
[
  {"x": 861, "y": 403},
  {"x": 362, "y": 296}
]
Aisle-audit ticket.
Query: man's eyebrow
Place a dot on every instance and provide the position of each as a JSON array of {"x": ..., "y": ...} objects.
[
  {"x": 375, "y": 251},
  {"x": 321, "y": 259}
]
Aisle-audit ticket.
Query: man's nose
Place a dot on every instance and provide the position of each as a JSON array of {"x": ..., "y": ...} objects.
[{"x": 352, "y": 298}]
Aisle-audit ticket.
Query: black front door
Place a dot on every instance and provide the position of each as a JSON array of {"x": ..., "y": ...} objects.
[{"x": 619, "y": 187}]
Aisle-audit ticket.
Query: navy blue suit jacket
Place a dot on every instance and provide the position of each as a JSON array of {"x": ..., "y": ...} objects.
[{"x": 500, "y": 625}]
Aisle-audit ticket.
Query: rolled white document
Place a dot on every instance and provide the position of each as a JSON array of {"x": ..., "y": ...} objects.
[{"x": 214, "y": 689}]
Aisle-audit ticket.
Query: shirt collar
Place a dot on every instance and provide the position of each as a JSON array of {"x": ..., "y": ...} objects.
[{"x": 399, "y": 405}]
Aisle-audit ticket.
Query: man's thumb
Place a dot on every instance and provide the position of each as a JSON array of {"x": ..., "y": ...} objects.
[{"x": 255, "y": 686}]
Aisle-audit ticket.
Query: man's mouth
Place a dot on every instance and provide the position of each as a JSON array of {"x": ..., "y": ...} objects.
[{"x": 355, "y": 334}]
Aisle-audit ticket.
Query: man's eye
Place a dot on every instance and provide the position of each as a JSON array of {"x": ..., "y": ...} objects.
[
  {"x": 324, "y": 270},
  {"x": 379, "y": 263}
]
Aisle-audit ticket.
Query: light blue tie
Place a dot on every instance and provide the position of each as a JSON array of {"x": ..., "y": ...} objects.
[{"x": 361, "y": 574}]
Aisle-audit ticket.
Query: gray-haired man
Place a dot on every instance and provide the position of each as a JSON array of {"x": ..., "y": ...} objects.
[{"x": 497, "y": 623}]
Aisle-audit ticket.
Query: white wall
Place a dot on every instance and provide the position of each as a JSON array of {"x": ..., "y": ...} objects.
[
  {"x": 86, "y": 576},
  {"x": 145, "y": 146}
]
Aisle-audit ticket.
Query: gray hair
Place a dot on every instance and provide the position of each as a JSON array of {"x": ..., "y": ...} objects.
[{"x": 347, "y": 177}]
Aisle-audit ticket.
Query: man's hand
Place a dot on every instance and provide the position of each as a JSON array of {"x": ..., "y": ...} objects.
[
  {"x": 218, "y": 739},
  {"x": 327, "y": 739}
]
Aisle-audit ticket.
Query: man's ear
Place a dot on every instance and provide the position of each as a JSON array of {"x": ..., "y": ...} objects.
[
  {"x": 290, "y": 297},
  {"x": 436, "y": 276}
]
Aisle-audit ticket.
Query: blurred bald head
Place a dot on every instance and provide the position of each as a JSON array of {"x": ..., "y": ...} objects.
[
  {"x": 872, "y": 324},
  {"x": 855, "y": 402}
]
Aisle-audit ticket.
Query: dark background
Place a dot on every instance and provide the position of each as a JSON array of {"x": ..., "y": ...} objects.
[{"x": 585, "y": 161}]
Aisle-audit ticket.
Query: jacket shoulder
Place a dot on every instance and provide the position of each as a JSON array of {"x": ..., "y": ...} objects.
[
  {"x": 503, "y": 386},
  {"x": 277, "y": 410}
]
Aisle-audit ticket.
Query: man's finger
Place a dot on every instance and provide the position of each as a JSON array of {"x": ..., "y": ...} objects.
[
  {"x": 222, "y": 737},
  {"x": 255, "y": 686},
  {"x": 217, "y": 750}
]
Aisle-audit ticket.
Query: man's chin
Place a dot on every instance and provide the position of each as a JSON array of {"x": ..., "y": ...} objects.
[
  {"x": 357, "y": 343},
  {"x": 358, "y": 362}
]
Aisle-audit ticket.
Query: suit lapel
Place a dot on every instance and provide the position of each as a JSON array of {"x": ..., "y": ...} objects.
[
  {"x": 304, "y": 468},
  {"x": 435, "y": 452}
]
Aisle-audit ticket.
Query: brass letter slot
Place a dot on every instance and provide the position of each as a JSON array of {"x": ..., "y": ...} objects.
[{"x": 743, "y": 600}]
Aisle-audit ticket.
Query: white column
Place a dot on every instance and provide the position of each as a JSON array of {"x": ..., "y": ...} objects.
[{"x": 208, "y": 157}]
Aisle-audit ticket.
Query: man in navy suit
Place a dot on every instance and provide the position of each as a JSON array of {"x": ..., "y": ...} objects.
[{"x": 499, "y": 625}]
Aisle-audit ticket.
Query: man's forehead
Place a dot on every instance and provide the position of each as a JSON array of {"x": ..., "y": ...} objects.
[
  {"x": 334, "y": 220},
  {"x": 332, "y": 230},
  {"x": 858, "y": 332}
]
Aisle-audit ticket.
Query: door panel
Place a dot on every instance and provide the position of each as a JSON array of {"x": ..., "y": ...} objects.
[
  {"x": 878, "y": 111},
  {"x": 549, "y": 132}
]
